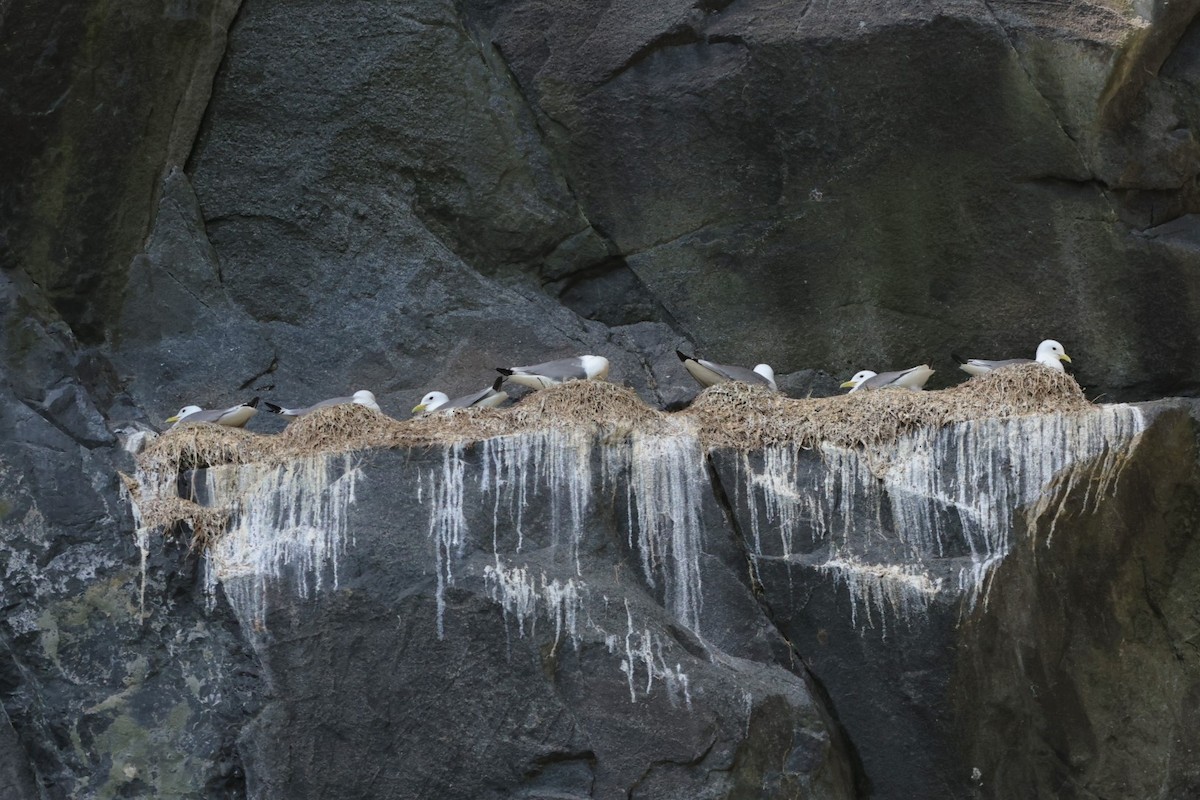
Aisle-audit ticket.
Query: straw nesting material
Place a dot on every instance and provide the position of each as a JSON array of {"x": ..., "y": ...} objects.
[
  {"x": 748, "y": 417},
  {"x": 726, "y": 415}
]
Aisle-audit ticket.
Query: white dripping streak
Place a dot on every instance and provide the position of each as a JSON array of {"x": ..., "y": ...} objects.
[
  {"x": 447, "y": 523},
  {"x": 979, "y": 471},
  {"x": 287, "y": 516},
  {"x": 519, "y": 595},
  {"x": 900, "y": 587},
  {"x": 665, "y": 484},
  {"x": 151, "y": 485},
  {"x": 644, "y": 649},
  {"x": 141, "y": 538},
  {"x": 667, "y": 480},
  {"x": 514, "y": 469},
  {"x": 519, "y": 466},
  {"x": 1002, "y": 465}
]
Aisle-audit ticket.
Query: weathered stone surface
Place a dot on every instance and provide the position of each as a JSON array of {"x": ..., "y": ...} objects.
[
  {"x": 99, "y": 98},
  {"x": 114, "y": 681},
  {"x": 999, "y": 613},
  {"x": 403, "y": 198},
  {"x": 876, "y": 181},
  {"x": 437, "y": 640},
  {"x": 1084, "y": 660}
]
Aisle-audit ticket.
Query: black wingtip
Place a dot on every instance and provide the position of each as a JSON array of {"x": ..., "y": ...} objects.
[
  {"x": 958, "y": 359},
  {"x": 505, "y": 371},
  {"x": 683, "y": 356},
  {"x": 499, "y": 382},
  {"x": 274, "y": 409},
  {"x": 253, "y": 403}
]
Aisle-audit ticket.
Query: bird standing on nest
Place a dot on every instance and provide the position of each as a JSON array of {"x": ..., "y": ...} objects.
[
  {"x": 1049, "y": 353},
  {"x": 710, "y": 373}
]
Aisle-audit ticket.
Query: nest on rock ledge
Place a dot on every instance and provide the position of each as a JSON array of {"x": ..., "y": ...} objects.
[
  {"x": 751, "y": 417},
  {"x": 727, "y": 415}
]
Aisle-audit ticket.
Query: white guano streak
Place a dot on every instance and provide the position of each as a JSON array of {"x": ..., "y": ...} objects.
[
  {"x": 664, "y": 477},
  {"x": 983, "y": 470},
  {"x": 519, "y": 594},
  {"x": 287, "y": 522}
]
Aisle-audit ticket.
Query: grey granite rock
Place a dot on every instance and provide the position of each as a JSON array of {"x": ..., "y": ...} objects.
[{"x": 203, "y": 201}]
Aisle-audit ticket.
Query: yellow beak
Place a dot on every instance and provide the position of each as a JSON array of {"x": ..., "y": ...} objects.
[
  {"x": 1065, "y": 357},
  {"x": 418, "y": 409},
  {"x": 848, "y": 385},
  {"x": 172, "y": 419}
]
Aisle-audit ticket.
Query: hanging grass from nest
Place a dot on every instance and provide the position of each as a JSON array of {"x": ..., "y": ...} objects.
[{"x": 167, "y": 513}]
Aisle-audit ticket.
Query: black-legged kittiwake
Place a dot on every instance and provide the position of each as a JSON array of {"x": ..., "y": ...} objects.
[
  {"x": 709, "y": 373},
  {"x": 233, "y": 417},
  {"x": 490, "y": 397},
  {"x": 903, "y": 379},
  {"x": 552, "y": 373},
  {"x": 362, "y": 397},
  {"x": 1049, "y": 352}
]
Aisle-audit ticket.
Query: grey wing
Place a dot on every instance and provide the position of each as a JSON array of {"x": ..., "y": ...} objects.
[
  {"x": 565, "y": 369},
  {"x": 333, "y": 401},
  {"x": 884, "y": 379},
  {"x": 466, "y": 401},
  {"x": 212, "y": 415},
  {"x": 735, "y": 373},
  {"x": 1007, "y": 362}
]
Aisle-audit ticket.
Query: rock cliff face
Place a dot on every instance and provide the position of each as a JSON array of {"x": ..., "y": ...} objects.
[
  {"x": 210, "y": 199},
  {"x": 558, "y": 615}
]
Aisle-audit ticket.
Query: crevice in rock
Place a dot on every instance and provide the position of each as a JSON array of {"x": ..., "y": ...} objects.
[
  {"x": 270, "y": 368},
  {"x": 44, "y": 414},
  {"x": 824, "y": 701},
  {"x": 1083, "y": 160},
  {"x": 603, "y": 292},
  {"x": 730, "y": 513},
  {"x": 712, "y": 6},
  {"x": 678, "y": 36},
  {"x": 205, "y": 126},
  {"x": 681, "y": 35},
  {"x": 539, "y": 119},
  {"x": 698, "y": 760}
]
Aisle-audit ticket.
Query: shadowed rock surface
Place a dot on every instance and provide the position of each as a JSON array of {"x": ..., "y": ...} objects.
[{"x": 207, "y": 201}]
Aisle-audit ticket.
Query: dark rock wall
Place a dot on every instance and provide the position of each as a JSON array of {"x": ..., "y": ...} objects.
[
  {"x": 202, "y": 201},
  {"x": 533, "y": 664},
  {"x": 1089, "y": 639}
]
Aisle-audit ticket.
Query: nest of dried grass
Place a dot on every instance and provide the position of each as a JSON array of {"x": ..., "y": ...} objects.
[
  {"x": 731, "y": 415},
  {"x": 590, "y": 406},
  {"x": 749, "y": 417},
  {"x": 168, "y": 513},
  {"x": 728, "y": 415},
  {"x": 200, "y": 445}
]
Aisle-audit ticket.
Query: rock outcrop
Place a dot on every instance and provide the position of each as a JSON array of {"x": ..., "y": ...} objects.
[
  {"x": 206, "y": 201},
  {"x": 565, "y": 575}
]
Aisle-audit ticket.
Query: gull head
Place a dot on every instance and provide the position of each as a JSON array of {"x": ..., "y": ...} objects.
[
  {"x": 595, "y": 367},
  {"x": 1052, "y": 354},
  {"x": 431, "y": 402},
  {"x": 365, "y": 398},
  {"x": 858, "y": 379},
  {"x": 768, "y": 373},
  {"x": 183, "y": 412}
]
